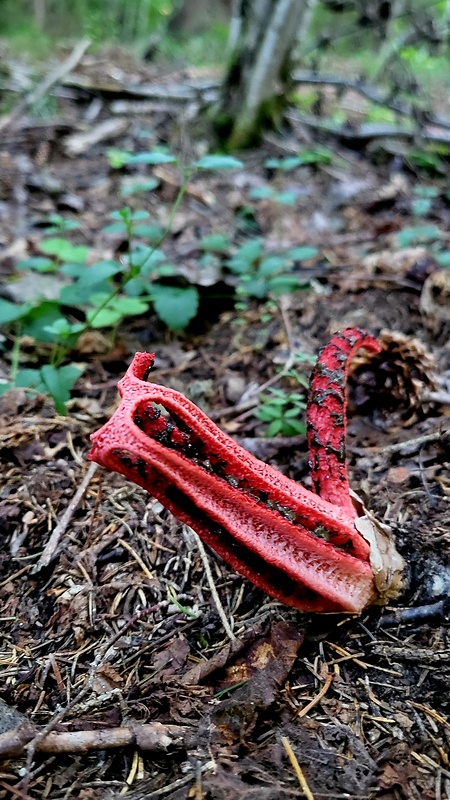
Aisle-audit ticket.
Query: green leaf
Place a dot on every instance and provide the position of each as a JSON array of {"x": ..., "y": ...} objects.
[
  {"x": 290, "y": 162},
  {"x": 9, "y": 312},
  {"x": 275, "y": 427},
  {"x": 136, "y": 286},
  {"x": 30, "y": 379},
  {"x": 146, "y": 259},
  {"x": 105, "y": 318},
  {"x": 318, "y": 155},
  {"x": 443, "y": 258},
  {"x": 255, "y": 287},
  {"x": 268, "y": 413},
  {"x": 64, "y": 331},
  {"x": 129, "y": 306},
  {"x": 152, "y": 158},
  {"x": 286, "y": 198},
  {"x": 40, "y": 318},
  {"x": 125, "y": 214},
  {"x": 297, "y": 426},
  {"x": 270, "y": 265},
  {"x": 302, "y": 253},
  {"x": 219, "y": 162},
  {"x": 115, "y": 227},
  {"x": 152, "y": 233},
  {"x": 135, "y": 187},
  {"x": 72, "y": 270},
  {"x": 165, "y": 270},
  {"x": 64, "y": 250},
  {"x": 38, "y": 263},
  {"x": 215, "y": 243},
  {"x": 118, "y": 158},
  {"x": 60, "y": 225},
  {"x": 261, "y": 193},
  {"x": 420, "y": 233},
  {"x": 251, "y": 250},
  {"x": 291, "y": 412},
  {"x": 272, "y": 163},
  {"x": 175, "y": 305},
  {"x": 244, "y": 258},
  {"x": 59, "y": 382},
  {"x": 285, "y": 284},
  {"x": 421, "y": 206},
  {"x": 95, "y": 277}
]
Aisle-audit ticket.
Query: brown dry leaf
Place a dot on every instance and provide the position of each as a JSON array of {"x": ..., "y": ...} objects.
[
  {"x": 93, "y": 343},
  {"x": 398, "y": 475},
  {"x": 171, "y": 660},
  {"x": 266, "y": 663},
  {"x": 200, "y": 671},
  {"x": 110, "y": 676}
]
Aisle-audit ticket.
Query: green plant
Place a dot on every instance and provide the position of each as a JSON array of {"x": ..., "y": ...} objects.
[
  {"x": 260, "y": 274},
  {"x": 423, "y": 200},
  {"x": 318, "y": 155},
  {"x": 283, "y": 412},
  {"x": 313, "y": 155},
  {"x": 100, "y": 295},
  {"x": 418, "y": 234},
  {"x": 429, "y": 159}
]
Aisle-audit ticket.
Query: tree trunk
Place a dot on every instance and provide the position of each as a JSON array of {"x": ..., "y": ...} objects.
[{"x": 263, "y": 34}]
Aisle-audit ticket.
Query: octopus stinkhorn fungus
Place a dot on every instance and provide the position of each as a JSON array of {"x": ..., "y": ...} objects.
[{"x": 316, "y": 551}]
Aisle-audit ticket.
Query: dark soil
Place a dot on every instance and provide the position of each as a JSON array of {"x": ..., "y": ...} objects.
[{"x": 127, "y": 590}]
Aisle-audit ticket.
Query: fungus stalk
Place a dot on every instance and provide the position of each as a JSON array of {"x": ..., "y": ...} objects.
[{"x": 316, "y": 551}]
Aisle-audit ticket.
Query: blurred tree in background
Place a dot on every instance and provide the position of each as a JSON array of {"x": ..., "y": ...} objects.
[{"x": 388, "y": 41}]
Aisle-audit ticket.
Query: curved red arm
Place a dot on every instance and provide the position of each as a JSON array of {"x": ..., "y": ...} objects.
[{"x": 301, "y": 548}]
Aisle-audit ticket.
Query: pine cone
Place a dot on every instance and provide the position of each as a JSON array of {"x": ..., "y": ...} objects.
[{"x": 392, "y": 383}]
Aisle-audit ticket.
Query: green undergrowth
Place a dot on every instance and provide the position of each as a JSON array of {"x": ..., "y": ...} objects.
[
  {"x": 101, "y": 295},
  {"x": 88, "y": 295}
]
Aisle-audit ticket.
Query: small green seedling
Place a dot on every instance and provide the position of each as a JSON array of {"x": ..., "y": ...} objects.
[{"x": 283, "y": 412}]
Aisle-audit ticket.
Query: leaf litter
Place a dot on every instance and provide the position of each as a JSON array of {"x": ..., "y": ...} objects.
[{"x": 117, "y": 640}]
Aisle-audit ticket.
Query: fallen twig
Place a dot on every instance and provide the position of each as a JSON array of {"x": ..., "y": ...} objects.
[
  {"x": 34, "y": 742},
  {"x": 51, "y": 547},
  {"x": 147, "y": 736},
  {"x": 42, "y": 88},
  {"x": 411, "y": 616},
  {"x": 412, "y": 445},
  {"x": 212, "y": 586},
  {"x": 370, "y": 92}
]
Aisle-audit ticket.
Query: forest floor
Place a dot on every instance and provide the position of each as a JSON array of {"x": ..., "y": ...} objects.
[{"x": 120, "y": 632}]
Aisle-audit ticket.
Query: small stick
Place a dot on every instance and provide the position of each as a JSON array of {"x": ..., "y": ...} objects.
[
  {"x": 52, "y": 545},
  {"x": 417, "y": 614},
  {"x": 59, "y": 715},
  {"x": 212, "y": 586},
  {"x": 136, "y": 557},
  {"x": 297, "y": 768},
  {"x": 411, "y": 445},
  {"x": 318, "y": 697},
  {"x": 147, "y": 736}
]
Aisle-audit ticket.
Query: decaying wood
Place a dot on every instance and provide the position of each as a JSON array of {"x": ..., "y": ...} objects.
[
  {"x": 46, "y": 84},
  {"x": 146, "y": 736},
  {"x": 368, "y": 131},
  {"x": 80, "y": 142},
  {"x": 371, "y": 93}
]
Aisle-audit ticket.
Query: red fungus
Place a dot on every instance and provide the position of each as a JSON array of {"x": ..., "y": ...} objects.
[{"x": 316, "y": 552}]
